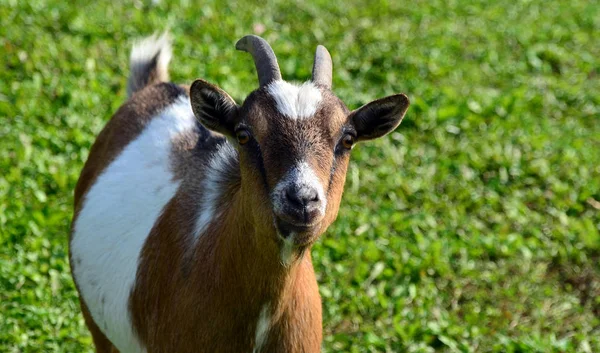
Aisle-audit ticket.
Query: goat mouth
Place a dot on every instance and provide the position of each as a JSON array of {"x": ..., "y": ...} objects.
[{"x": 300, "y": 234}]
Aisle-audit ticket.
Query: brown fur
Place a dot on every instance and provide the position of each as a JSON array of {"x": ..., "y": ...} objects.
[{"x": 213, "y": 303}]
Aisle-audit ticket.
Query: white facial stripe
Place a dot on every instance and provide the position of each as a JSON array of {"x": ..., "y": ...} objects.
[
  {"x": 262, "y": 329},
  {"x": 300, "y": 175},
  {"x": 212, "y": 186},
  {"x": 117, "y": 216},
  {"x": 295, "y": 101}
]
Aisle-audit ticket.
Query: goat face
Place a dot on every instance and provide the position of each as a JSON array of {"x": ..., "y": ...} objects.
[
  {"x": 294, "y": 144},
  {"x": 295, "y": 140}
]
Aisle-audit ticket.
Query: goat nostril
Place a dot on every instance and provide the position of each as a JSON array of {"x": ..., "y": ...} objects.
[
  {"x": 312, "y": 197},
  {"x": 293, "y": 198}
]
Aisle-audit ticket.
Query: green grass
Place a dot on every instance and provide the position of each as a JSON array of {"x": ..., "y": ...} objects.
[{"x": 475, "y": 227}]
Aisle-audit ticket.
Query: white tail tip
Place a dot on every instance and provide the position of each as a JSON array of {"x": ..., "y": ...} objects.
[{"x": 149, "y": 62}]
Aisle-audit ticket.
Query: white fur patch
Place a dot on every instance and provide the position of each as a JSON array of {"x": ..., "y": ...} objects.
[
  {"x": 287, "y": 250},
  {"x": 212, "y": 186},
  {"x": 117, "y": 215},
  {"x": 295, "y": 101},
  {"x": 303, "y": 176},
  {"x": 262, "y": 329}
]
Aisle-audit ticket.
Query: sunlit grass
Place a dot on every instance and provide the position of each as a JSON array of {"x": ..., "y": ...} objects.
[{"x": 473, "y": 227}]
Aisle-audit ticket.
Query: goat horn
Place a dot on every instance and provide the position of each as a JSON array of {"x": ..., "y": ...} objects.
[
  {"x": 322, "y": 71},
  {"x": 264, "y": 58}
]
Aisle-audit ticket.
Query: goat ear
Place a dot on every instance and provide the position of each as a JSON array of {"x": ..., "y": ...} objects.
[
  {"x": 379, "y": 117},
  {"x": 215, "y": 109}
]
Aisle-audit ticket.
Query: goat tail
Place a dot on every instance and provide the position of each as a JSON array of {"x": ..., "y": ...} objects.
[{"x": 149, "y": 62}]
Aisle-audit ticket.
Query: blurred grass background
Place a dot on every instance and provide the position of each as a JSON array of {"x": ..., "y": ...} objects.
[{"x": 472, "y": 228}]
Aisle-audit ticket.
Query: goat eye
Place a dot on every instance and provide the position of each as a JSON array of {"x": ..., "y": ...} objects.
[
  {"x": 243, "y": 136},
  {"x": 347, "y": 141}
]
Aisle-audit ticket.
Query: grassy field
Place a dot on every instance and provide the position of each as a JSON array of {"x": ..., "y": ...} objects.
[{"x": 475, "y": 227}]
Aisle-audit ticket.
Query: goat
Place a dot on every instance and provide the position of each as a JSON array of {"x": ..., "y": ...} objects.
[{"x": 194, "y": 216}]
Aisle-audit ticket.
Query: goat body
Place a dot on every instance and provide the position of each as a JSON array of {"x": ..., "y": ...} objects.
[{"x": 185, "y": 239}]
